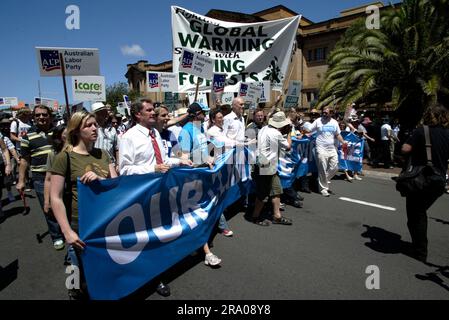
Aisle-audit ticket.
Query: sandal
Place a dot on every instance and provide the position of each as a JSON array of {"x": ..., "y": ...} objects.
[
  {"x": 282, "y": 220},
  {"x": 262, "y": 223}
]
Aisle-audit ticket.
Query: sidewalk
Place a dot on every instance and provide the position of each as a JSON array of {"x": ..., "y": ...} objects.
[{"x": 381, "y": 173}]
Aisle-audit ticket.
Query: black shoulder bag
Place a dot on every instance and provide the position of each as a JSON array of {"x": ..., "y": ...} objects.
[{"x": 428, "y": 179}]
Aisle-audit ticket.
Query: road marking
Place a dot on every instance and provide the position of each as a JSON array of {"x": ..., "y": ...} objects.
[{"x": 368, "y": 204}]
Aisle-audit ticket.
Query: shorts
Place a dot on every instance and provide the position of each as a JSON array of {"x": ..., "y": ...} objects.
[{"x": 266, "y": 185}]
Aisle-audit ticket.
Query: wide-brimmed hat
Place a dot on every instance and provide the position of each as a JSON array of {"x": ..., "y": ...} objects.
[
  {"x": 98, "y": 106},
  {"x": 279, "y": 120}
]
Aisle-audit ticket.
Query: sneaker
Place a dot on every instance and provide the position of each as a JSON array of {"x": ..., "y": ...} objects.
[
  {"x": 357, "y": 178},
  {"x": 11, "y": 198},
  {"x": 325, "y": 193},
  {"x": 163, "y": 289},
  {"x": 212, "y": 260},
  {"x": 27, "y": 190},
  {"x": 282, "y": 206},
  {"x": 58, "y": 244},
  {"x": 227, "y": 233}
]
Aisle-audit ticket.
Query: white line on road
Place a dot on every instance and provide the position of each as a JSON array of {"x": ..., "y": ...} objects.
[{"x": 368, "y": 204}]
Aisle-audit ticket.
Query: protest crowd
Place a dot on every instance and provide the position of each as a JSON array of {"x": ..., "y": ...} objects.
[{"x": 49, "y": 155}]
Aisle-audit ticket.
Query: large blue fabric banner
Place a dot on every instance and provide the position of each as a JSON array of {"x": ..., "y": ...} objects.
[
  {"x": 301, "y": 160},
  {"x": 351, "y": 157},
  {"x": 136, "y": 227}
]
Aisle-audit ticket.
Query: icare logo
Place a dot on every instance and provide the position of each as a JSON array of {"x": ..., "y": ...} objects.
[
  {"x": 50, "y": 60},
  {"x": 87, "y": 86}
]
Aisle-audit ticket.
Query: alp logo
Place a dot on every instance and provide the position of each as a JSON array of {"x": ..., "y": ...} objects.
[
  {"x": 187, "y": 59},
  {"x": 2, "y": 101},
  {"x": 153, "y": 80},
  {"x": 50, "y": 60},
  {"x": 243, "y": 90}
]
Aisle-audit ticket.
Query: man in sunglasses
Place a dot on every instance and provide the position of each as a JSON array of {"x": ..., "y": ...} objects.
[
  {"x": 35, "y": 146},
  {"x": 328, "y": 132}
]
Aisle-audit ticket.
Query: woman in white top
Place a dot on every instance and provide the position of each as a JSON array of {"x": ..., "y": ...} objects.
[{"x": 215, "y": 128}]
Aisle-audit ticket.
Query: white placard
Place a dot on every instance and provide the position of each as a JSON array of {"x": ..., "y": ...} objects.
[
  {"x": 202, "y": 98},
  {"x": 77, "y": 61},
  {"x": 9, "y": 101},
  {"x": 88, "y": 88},
  {"x": 196, "y": 64},
  {"x": 293, "y": 94},
  {"x": 168, "y": 81},
  {"x": 227, "y": 97},
  {"x": 266, "y": 91}
]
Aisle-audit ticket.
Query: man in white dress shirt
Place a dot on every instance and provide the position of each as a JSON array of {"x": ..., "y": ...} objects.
[
  {"x": 141, "y": 151},
  {"x": 234, "y": 123},
  {"x": 141, "y": 146}
]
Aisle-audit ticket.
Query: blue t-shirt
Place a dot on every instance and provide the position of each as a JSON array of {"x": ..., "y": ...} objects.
[{"x": 193, "y": 140}]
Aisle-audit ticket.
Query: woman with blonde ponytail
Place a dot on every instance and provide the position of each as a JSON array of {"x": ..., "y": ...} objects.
[{"x": 78, "y": 159}]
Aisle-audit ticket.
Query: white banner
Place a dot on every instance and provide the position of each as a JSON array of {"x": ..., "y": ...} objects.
[
  {"x": 88, "y": 88},
  {"x": 77, "y": 61},
  {"x": 9, "y": 101},
  {"x": 245, "y": 52}
]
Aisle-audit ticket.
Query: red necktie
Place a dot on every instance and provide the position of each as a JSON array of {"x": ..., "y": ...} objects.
[{"x": 157, "y": 151}]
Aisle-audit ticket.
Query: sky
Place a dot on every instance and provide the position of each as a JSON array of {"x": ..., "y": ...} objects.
[{"x": 123, "y": 31}]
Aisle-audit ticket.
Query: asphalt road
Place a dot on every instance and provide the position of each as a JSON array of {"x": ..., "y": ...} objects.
[{"x": 323, "y": 255}]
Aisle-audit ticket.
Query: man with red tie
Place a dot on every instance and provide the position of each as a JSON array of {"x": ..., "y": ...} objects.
[
  {"x": 141, "y": 146},
  {"x": 141, "y": 151}
]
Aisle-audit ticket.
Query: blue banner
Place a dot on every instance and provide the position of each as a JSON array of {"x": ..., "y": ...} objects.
[
  {"x": 351, "y": 157},
  {"x": 136, "y": 227},
  {"x": 301, "y": 160}
]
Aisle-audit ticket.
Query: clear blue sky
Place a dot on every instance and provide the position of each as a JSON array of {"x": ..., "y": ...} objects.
[{"x": 110, "y": 26}]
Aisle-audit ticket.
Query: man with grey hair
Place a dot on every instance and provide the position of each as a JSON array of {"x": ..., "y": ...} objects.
[{"x": 234, "y": 123}]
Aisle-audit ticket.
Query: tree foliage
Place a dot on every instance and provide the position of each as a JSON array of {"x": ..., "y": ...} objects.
[
  {"x": 115, "y": 92},
  {"x": 405, "y": 62}
]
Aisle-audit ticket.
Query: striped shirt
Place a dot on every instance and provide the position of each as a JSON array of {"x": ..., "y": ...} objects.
[
  {"x": 36, "y": 144},
  {"x": 107, "y": 140}
]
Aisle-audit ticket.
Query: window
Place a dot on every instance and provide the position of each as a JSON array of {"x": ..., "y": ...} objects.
[{"x": 318, "y": 54}]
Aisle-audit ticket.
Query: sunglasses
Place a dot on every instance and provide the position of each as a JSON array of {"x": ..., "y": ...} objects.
[{"x": 38, "y": 115}]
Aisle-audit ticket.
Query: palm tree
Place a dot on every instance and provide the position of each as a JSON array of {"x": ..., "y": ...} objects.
[{"x": 405, "y": 62}]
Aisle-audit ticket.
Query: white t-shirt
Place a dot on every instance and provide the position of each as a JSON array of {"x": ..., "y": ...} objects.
[
  {"x": 384, "y": 132},
  {"x": 234, "y": 127},
  {"x": 326, "y": 134},
  {"x": 269, "y": 143},
  {"x": 21, "y": 131}
]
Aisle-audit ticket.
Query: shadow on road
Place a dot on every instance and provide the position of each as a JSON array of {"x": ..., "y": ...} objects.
[
  {"x": 171, "y": 274},
  {"x": 8, "y": 274},
  {"x": 13, "y": 212},
  {"x": 389, "y": 242},
  {"x": 439, "y": 220}
]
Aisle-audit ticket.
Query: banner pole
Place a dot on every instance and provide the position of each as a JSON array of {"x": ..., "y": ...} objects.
[
  {"x": 197, "y": 88},
  {"x": 61, "y": 60}
]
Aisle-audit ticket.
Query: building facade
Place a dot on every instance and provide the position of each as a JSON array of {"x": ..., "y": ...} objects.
[{"x": 309, "y": 65}]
